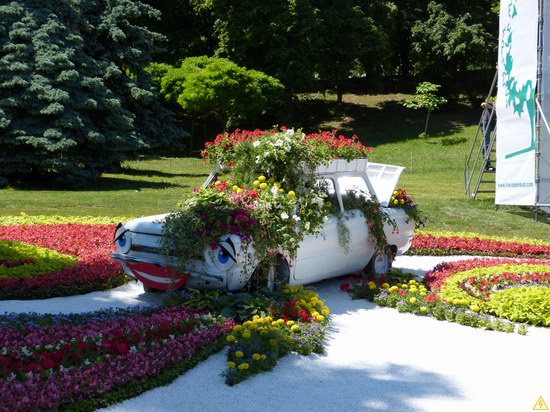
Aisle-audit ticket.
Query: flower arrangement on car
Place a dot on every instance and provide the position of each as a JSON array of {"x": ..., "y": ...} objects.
[{"x": 279, "y": 208}]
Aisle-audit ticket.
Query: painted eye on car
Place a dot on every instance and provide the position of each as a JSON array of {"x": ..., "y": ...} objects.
[
  {"x": 226, "y": 254},
  {"x": 123, "y": 240}
]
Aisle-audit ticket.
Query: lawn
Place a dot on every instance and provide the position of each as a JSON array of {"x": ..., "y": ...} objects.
[{"x": 433, "y": 175}]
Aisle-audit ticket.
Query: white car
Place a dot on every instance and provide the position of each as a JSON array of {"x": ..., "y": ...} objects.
[{"x": 232, "y": 264}]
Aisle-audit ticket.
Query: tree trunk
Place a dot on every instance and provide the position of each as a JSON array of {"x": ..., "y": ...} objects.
[{"x": 426, "y": 125}]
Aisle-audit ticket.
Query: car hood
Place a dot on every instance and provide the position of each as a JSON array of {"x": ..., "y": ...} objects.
[
  {"x": 153, "y": 225},
  {"x": 383, "y": 179}
]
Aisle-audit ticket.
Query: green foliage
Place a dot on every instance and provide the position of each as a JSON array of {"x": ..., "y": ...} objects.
[
  {"x": 75, "y": 100},
  {"x": 444, "y": 43},
  {"x": 209, "y": 86},
  {"x": 301, "y": 42},
  {"x": 20, "y": 260},
  {"x": 524, "y": 304},
  {"x": 426, "y": 97}
]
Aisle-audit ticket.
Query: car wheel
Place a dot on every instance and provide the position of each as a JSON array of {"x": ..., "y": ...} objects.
[
  {"x": 270, "y": 276},
  {"x": 381, "y": 261}
]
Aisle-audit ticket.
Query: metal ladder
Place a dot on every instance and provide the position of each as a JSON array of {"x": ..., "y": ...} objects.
[{"x": 475, "y": 173}]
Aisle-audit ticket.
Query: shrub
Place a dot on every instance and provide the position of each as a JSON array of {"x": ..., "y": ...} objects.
[{"x": 523, "y": 304}]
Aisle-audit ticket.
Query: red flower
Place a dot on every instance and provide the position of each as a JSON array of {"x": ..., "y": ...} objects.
[{"x": 344, "y": 287}]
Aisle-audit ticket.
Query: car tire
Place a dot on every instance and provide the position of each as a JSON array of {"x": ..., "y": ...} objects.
[
  {"x": 381, "y": 261},
  {"x": 270, "y": 276}
]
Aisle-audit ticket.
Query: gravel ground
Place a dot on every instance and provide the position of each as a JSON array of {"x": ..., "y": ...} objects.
[{"x": 376, "y": 360}]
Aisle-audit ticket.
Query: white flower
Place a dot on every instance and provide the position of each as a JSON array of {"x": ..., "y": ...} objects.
[
  {"x": 284, "y": 215},
  {"x": 296, "y": 218},
  {"x": 306, "y": 225},
  {"x": 289, "y": 132},
  {"x": 279, "y": 142},
  {"x": 256, "y": 143},
  {"x": 275, "y": 191}
]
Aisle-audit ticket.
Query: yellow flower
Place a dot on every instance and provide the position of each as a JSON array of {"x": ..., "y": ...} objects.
[
  {"x": 246, "y": 335},
  {"x": 372, "y": 285},
  {"x": 412, "y": 300},
  {"x": 325, "y": 311},
  {"x": 239, "y": 190},
  {"x": 237, "y": 328},
  {"x": 328, "y": 205},
  {"x": 385, "y": 285},
  {"x": 320, "y": 318},
  {"x": 423, "y": 309},
  {"x": 264, "y": 356},
  {"x": 404, "y": 286},
  {"x": 218, "y": 182},
  {"x": 231, "y": 364},
  {"x": 281, "y": 190},
  {"x": 295, "y": 328},
  {"x": 291, "y": 194},
  {"x": 256, "y": 183},
  {"x": 315, "y": 314},
  {"x": 268, "y": 319},
  {"x": 395, "y": 192},
  {"x": 243, "y": 366},
  {"x": 235, "y": 188},
  {"x": 263, "y": 185},
  {"x": 276, "y": 184},
  {"x": 320, "y": 302},
  {"x": 401, "y": 201},
  {"x": 239, "y": 354},
  {"x": 256, "y": 356},
  {"x": 230, "y": 338},
  {"x": 271, "y": 180},
  {"x": 396, "y": 202},
  {"x": 255, "y": 317},
  {"x": 261, "y": 179},
  {"x": 290, "y": 323},
  {"x": 247, "y": 323},
  {"x": 474, "y": 308}
]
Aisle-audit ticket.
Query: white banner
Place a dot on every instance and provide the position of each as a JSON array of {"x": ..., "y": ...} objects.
[{"x": 515, "y": 105}]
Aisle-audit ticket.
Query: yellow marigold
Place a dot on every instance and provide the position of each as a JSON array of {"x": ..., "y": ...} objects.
[
  {"x": 263, "y": 185},
  {"x": 325, "y": 311},
  {"x": 280, "y": 321},
  {"x": 255, "y": 317},
  {"x": 243, "y": 366},
  {"x": 281, "y": 190},
  {"x": 412, "y": 300},
  {"x": 256, "y": 183},
  {"x": 372, "y": 285},
  {"x": 264, "y": 332},
  {"x": 235, "y": 188},
  {"x": 237, "y": 328},
  {"x": 246, "y": 335},
  {"x": 261, "y": 179},
  {"x": 230, "y": 338},
  {"x": 295, "y": 328},
  {"x": 231, "y": 364},
  {"x": 276, "y": 184},
  {"x": 268, "y": 319},
  {"x": 290, "y": 323},
  {"x": 264, "y": 356},
  {"x": 291, "y": 194},
  {"x": 256, "y": 356},
  {"x": 271, "y": 180},
  {"x": 247, "y": 323},
  {"x": 385, "y": 285},
  {"x": 239, "y": 354},
  {"x": 315, "y": 314},
  {"x": 320, "y": 318},
  {"x": 320, "y": 302}
]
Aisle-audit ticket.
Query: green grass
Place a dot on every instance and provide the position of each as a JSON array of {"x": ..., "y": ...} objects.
[{"x": 433, "y": 175}]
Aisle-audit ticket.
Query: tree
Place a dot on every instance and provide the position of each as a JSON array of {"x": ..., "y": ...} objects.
[
  {"x": 443, "y": 43},
  {"x": 74, "y": 98},
  {"x": 209, "y": 86},
  {"x": 426, "y": 98}
]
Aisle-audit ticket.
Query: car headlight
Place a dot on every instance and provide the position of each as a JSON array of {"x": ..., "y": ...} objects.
[
  {"x": 122, "y": 239},
  {"x": 224, "y": 257}
]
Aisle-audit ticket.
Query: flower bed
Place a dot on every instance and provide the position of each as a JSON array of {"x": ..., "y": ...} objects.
[
  {"x": 87, "y": 245},
  {"x": 48, "y": 362},
  {"x": 438, "y": 244},
  {"x": 488, "y": 293}
]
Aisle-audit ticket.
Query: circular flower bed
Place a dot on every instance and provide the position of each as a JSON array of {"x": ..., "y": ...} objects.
[
  {"x": 439, "y": 244},
  {"x": 78, "y": 261}
]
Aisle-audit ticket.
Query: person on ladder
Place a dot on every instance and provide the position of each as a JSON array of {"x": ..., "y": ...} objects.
[{"x": 488, "y": 123}]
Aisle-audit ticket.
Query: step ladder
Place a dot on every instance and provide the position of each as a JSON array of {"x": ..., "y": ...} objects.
[{"x": 477, "y": 177}]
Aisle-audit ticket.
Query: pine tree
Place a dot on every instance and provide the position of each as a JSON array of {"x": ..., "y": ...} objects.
[{"x": 74, "y": 99}]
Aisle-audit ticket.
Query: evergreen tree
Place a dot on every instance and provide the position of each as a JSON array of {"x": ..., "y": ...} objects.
[{"x": 74, "y": 99}]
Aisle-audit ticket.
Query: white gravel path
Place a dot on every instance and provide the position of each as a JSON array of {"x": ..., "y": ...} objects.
[{"x": 376, "y": 360}]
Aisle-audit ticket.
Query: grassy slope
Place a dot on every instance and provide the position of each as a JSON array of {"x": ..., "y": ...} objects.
[{"x": 434, "y": 174}]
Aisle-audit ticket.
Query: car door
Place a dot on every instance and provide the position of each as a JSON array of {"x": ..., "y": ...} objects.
[{"x": 321, "y": 256}]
